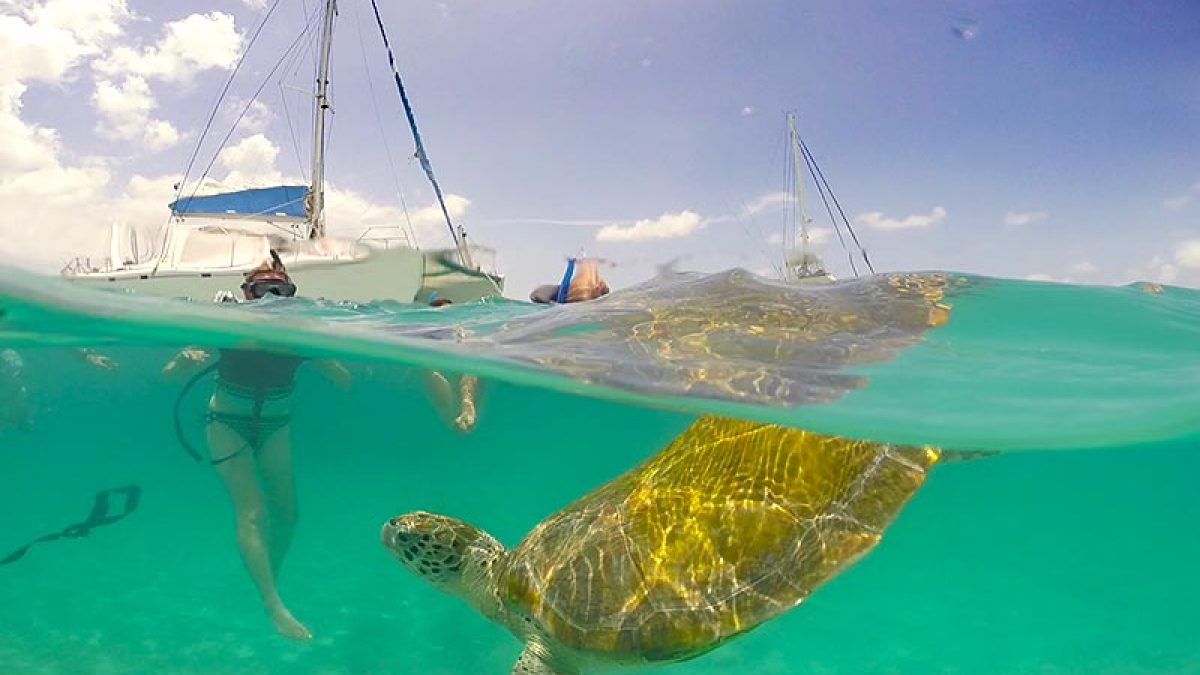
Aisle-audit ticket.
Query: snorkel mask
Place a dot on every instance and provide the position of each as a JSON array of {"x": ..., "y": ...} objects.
[
  {"x": 270, "y": 281},
  {"x": 264, "y": 285}
]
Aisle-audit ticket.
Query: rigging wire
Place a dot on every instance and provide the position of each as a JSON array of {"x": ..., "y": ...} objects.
[
  {"x": 292, "y": 69},
  {"x": 221, "y": 97},
  {"x": 808, "y": 161},
  {"x": 409, "y": 230},
  {"x": 422, "y": 157},
  {"x": 310, "y": 48},
  {"x": 212, "y": 115},
  {"x": 287, "y": 117},
  {"x": 245, "y": 108},
  {"x": 821, "y": 175},
  {"x": 772, "y": 260},
  {"x": 789, "y": 191}
]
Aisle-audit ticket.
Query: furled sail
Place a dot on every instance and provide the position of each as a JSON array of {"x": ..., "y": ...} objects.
[{"x": 283, "y": 201}]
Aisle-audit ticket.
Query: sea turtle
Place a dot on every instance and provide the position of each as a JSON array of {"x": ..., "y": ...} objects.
[
  {"x": 730, "y": 335},
  {"x": 731, "y": 524}
]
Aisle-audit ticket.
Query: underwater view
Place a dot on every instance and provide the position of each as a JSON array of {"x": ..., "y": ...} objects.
[
  {"x": 1056, "y": 534},
  {"x": 462, "y": 337}
]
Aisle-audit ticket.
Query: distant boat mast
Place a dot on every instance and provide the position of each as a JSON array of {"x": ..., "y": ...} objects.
[{"x": 802, "y": 215}]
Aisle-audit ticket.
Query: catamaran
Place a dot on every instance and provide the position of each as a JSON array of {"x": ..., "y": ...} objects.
[{"x": 212, "y": 239}]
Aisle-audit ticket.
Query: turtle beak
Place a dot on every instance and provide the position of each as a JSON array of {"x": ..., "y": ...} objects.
[
  {"x": 398, "y": 532},
  {"x": 392, "y": 530}
]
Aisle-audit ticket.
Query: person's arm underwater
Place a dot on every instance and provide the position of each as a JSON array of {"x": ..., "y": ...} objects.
[
  {"x": 99, "y": 360},
  {"x": 334, "y": 371},
  {"x": 186, "y": 362}
]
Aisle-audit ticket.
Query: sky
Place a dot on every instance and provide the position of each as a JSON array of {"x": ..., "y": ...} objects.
[{"x": 1027, "y": 139}]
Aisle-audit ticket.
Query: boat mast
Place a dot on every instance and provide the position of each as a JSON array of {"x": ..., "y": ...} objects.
[
  {"x": 794, "y": 141},
  {"x": 317, "y": 214}
]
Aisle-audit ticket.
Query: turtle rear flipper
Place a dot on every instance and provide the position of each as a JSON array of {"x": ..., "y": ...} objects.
[
  {"x": 531, "y": 662},
  {"x": 966, "y": 455}
]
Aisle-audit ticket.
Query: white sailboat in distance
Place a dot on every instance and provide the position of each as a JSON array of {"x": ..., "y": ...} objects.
[{"x": 800, "y": 263}]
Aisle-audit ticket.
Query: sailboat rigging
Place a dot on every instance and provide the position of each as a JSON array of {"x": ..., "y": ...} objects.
[
  {"x": 800, "y": 263},
  {"x": 457, "y": 234}
]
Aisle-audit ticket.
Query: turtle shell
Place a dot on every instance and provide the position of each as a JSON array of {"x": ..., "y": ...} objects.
[
  {"x": 731, "y": 524},
  {"x": 732, "y": 336}
]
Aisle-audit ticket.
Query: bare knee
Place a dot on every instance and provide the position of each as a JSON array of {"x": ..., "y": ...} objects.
[{"x": 251, "y": 523}]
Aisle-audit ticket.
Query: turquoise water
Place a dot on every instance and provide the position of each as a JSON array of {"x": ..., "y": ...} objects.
[{"x": 1073, "y": 552}]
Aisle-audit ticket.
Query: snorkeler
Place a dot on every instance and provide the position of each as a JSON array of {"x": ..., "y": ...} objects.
[
  {"x": 15, "y": 411},
  {"x": 14, "y": 395},
  {"x": 249, "y": 443},
  {"x": 580, "y": 282},
  {"x": 458, "y": 411}
]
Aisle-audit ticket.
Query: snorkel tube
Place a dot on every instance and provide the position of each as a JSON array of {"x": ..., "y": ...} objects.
[
  {"x": 565, "y": 286},
  {"x": 191, "y": 450}
]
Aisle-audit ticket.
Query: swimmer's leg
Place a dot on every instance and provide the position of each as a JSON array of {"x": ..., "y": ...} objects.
[
  {"x": 249, "y": 504},
  {"x": 469, "y": 388},
  {"x": 275, "y": 470}
]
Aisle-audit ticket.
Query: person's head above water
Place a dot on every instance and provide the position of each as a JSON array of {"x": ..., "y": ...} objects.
[
  {"x": 269, "y": 278},
  {"x": 586, "y": 283}
]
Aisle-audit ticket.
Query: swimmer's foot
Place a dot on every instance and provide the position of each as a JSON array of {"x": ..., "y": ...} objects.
[
  {"x": 466, "y": 421},
  {"x": 287, "y": 625}
]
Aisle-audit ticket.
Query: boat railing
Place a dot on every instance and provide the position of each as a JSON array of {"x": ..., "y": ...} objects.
[
  {"x": 81, "y": 265},
  {"x": 386, "y": 235}
]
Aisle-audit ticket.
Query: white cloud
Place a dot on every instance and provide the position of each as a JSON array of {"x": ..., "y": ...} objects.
[
  {"x": 1039, "y": 276},
  {"x": 1165, "y": 272},
  {"x": 819, "y": 235},
  {"x": 1187, "y": 254},
  {"x": 766, "y": 202},
  {"x": 1018, "y": 218},
  {"x": 646, "y": 63},
  {"x": 255, "y": 4},
  {"x": 1158, "y": 270},
  {"x": 186, "y": 47},
  {"x": 1083, "y": 268},
  {"x": 877, "y": 220},
  {"x": 47, "y": 205},
  {"x": 251, "y": 162},
  {"x": 666, "y": 226},
  {"x": 23, "y": 147},
  {"x": 125, "y": 114},
  {"x": 348, "y": 213},
  {"x": 50, "y": 205},
  {"x": 1179, "y": 201},
  {"x": 44, "y": 41},
  {"x": 747, "y": 111},
  {"x": 816, "y": 236},
  {"x": 123, "y": 97},
  {"x": 257, "y": 117}
]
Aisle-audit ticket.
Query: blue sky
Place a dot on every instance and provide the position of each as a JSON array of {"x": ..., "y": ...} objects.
[{"x": 1053, "y": 140}]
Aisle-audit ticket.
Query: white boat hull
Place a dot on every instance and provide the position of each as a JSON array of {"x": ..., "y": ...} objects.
[{"x": 399, "y": 274}]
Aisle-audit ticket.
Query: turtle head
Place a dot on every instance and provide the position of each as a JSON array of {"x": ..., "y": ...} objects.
[{"x": 450, "y": 554}]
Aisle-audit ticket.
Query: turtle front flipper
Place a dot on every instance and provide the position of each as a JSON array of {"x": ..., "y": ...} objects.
[{"x": 533, "y": 661}]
